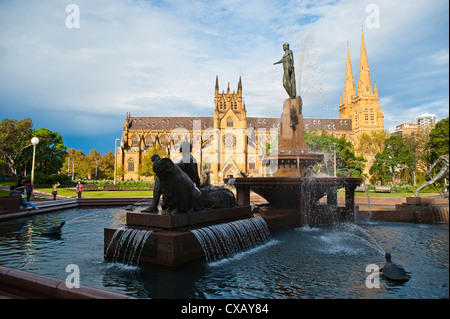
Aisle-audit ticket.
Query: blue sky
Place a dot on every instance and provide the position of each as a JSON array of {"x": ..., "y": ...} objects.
[{"x": 161, "y": 58}]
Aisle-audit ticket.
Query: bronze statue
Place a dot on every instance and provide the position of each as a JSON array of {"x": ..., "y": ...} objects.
[
  {"x": 179, "y": 192},
  {"x": 443, "y": 173},
  {"x": 289, "y": 73}
]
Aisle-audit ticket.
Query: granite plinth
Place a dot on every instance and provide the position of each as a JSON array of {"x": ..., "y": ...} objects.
[
  {"x": 159, "y": 220},
  {"x": 420, "y": 210},
  {"x": 164, "y": 247},
  {"x": 292, "y": 136}
]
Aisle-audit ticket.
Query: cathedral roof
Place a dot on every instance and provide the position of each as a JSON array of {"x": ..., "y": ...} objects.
[
  {"x": 167, "y": 123},
  {"x": 170, "y": 123}
]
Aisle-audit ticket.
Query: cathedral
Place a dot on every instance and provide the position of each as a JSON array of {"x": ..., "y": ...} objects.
[
  {"x": 230, "y": 144},
  {"x": 362, "y": 107}
]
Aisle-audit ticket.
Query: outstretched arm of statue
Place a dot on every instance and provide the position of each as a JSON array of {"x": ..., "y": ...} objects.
[{"x": 281, "y": 61}]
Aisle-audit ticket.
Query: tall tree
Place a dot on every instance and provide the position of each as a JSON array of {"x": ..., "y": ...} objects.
[
  {"x": 15, "y": 137},
  {"x": 106, "y": 166},
  {"x": 50, "y": 152},
  {"x": 146, "y": 168},
  {"x": 347, "y": 163},
  {"x": 439, "y": 141},
  {"x": 395, "y": 159}
]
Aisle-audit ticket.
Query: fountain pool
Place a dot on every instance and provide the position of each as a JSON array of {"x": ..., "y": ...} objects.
[{"x": 323, "y": 262}]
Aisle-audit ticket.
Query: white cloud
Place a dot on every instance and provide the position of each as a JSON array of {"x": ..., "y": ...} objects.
[{"x": 161, "y": 58}]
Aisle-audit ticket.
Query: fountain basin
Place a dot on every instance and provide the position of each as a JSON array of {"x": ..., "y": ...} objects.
[
  {"x": 170, "y": 242},
  {"x": 166, "y": 248},
  {"x": 300, "y": 195},
  {"x": 286, "y": 192},
  {"x": 184, "y": 220}
]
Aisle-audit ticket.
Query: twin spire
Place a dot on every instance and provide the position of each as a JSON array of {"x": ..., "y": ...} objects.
[
  {"x": 239, "y": 89},
  {"x": 364, "y": 83}
]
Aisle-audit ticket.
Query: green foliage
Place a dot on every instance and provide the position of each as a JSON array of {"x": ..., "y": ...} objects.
[
  {"x": 92, "y": 166},
  {"x": 146, "y": 168},
  {"x": 50, "y": 152},
  {"x": 347, "y": 163},
  {"x": 15, "y": 137},
  {"x": 46, "y": 180},
  {"x": 439, "y": 141},
  {"x": 394, "y": 161}
]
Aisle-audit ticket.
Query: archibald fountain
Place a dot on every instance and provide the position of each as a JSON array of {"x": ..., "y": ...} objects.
[
  {"x": 187, "y": 229},
  {"x": 291, "y": 193}
]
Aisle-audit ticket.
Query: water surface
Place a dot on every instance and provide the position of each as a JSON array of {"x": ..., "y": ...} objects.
[{"x": 324, "y": 262}]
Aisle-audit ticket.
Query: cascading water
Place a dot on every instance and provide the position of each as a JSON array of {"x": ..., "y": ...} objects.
[
  {"x": 134, "y": 239},
  {"x": 223, "y": 240}
]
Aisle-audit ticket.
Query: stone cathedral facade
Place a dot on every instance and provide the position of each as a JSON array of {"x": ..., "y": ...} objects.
[
  {"x": 229, "y": 143},
  {"x": 362, "y": 106}
]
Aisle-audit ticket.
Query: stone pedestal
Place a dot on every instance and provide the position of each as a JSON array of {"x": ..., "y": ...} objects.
[
  {"x": 422, "y": 210},
  {"x": 170, "y": 242},
  {"x": 292, "y": 158},
  {"x": 292, "y": 137}
]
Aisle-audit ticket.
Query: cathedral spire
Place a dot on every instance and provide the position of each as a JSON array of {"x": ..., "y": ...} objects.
[
  {"x": 239, "y": 90},
  {"x": 364, "y": 83},
  {"x": 349, "y": 86},
  {"x": 217, "y": 84}
]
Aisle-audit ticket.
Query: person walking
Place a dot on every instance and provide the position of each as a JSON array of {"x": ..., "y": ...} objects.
[
  {"x": 54, "y": 192},
  {"x": 79, "y": 189}
]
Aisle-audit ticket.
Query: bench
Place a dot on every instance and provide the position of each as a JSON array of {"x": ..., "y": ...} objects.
[
  {"x": 383, "y": 189},
  {"x": 361, "y": 188},
  {"x": 89, "y": 187},
  {"x": 111, "y": 187}
]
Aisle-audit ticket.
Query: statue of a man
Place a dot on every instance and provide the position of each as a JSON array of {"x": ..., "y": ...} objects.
[
  {"x": 443, "y": 173},
  {"x": 289, "y": 73}
]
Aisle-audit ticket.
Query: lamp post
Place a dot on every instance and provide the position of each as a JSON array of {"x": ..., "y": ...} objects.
[
  {"x": 115, "y": 159},
  {"x": 34, "y": 141},
  {"x": 334, "y": 151}
]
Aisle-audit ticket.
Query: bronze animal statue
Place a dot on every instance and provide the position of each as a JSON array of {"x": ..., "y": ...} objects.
[
  {"x": 179, "y": 192},
  {"x": 394, "y": 271}
]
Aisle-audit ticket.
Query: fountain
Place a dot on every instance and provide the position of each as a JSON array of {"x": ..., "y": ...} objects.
[
  {"x": 428, "y": 209},
  {"x": 185, "y": 232},
  {"x": 292, "y": 195}
]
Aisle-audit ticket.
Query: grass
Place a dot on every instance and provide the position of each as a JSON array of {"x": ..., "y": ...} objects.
[{"x": 98, "y": 194}]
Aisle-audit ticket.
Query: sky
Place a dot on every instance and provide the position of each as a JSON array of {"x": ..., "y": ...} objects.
[{"x": 77, "y": 67}]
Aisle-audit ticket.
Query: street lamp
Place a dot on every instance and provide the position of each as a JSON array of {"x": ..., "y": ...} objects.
[
  {"x": 115, "y": 159},
  {"x": 334, "y": 151},
  {"x": 34, "y": 141}
]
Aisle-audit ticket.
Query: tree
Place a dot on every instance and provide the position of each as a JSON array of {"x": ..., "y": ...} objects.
[
  {"x": 106, "y": 166},
  {"x": 50, "y": 152},
  {"x": 439, "y": 140},
  {"x": 417, "y": 143},
  {"x": 347, "y": 163},
  {"x": 146, "y": 168},
  {"x": 76, "y": 164},
  {"x": 93, "y": 159},
  {"x": 15, "y": 137},
  {"x": 370, "y": 144},
  {"x": 395, "y": 160}
]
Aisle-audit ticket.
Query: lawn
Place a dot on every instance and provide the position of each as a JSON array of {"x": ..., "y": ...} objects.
[{"x": 98, "y": 194}]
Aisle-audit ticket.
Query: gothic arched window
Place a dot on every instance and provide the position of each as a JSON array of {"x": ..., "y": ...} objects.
[
  {"x": 230, "y": 122},
  {"x": 131, "y": 165},
  {"x": 134, "y": 141}
]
